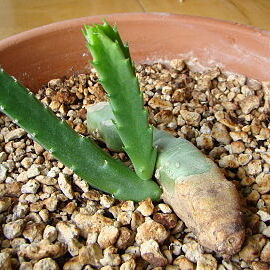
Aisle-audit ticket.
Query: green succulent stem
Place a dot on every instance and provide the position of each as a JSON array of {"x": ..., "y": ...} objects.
[
  {"x": 177, "y": 158},
  {"x": 78, "y": 153},
  {"x": 111, "y": 59}
]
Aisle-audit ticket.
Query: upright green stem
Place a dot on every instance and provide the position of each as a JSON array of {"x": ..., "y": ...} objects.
[{"x": 116, "y": 72}]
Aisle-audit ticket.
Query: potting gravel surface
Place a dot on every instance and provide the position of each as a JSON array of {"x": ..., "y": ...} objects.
[{"x": 51, "y": 219}]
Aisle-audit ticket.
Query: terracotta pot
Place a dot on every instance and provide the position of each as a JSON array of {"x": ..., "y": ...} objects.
[{"x": 58, "y": 49}]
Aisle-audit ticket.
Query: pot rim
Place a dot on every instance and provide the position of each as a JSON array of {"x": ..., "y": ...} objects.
[{"x": 131, "y": 16}]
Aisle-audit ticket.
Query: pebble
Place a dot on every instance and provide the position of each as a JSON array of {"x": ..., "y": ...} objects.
[
  {"x": 14, "y": 134},
  {"x": 193, "y": 251},
  {"x": 5, "y": 261},
  {"x": 33, "y": 171},
  {"x": 5, "y": 204},
  {"x": 206, "y": 262},
  {"x": 46, "y": 264},
  {"x": 151, "y": 230},
  {"x": 3, "y": 156},
  {"x": 184, "y": 263},
  {"x": 30, "y": 187},
  {"x": 107, "y": 236},
  {"x": 146, "y": 207},
  {"x": 67, "y": 231},
  {"x": 42, "y": 249},
  {"x": 3, "y": 173},
  {"x": 50, "y": 233},
  {"x": 65, "y": 186},
  {"x": 13, "y": 229},
  {"x": 151, "y": 253}
]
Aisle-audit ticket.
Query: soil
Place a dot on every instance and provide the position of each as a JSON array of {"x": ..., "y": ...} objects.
[{"x": 51, "y": 219}]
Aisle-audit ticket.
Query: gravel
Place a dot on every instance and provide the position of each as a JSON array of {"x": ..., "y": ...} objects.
[{"x": 51, "y": 219}]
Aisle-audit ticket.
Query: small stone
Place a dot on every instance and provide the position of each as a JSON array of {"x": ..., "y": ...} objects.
[
  {"x": 5, "y": 261},
  {"x": 17, "y": 242},
  {"x": 125, "y": 238},
  {"x": 124, "y": 218},
  {"x": 193, "y": 251},
  {"x": 70, "y": 207},
  {"x": 266, "y": 231},
  {"x": 191, "y": 118},
  {"x": 239, "y": 136},
  {"x": 5, "y": 203},
  {"x": 22, "y": 177},
  {"x": 163, "y": 117},
  {"x": 151, "y": 253},
  {"x": 55, "y": 105},
  {"x": 51, "y": 203},
  {"x": 65, "y": 186},
  {"x": 27, "y": 162},
  {"x": 128, "y": 265},
  {"x": 156, "y": 102},
  {"x": 91, "y": 238},
  {"x": 151, "y": 230},
  {"x": 91, "y": 254},
  {"x": 91, "y": 223},
  {"x": 206, "y": 262},
  {"x": 34, "y": 232},
  {"x": 111, "y": 259},
  {"x": 26, "y": 266},
  {"x": 265, "y": 254},
  {"x": 44, "y": 214},
  {"x": 184, "y": 263},
  {"x": 229, "y": 161},
  {"x": 33, "y": 171},
  {"x": 3, "y": 156},
  {"x": 80, "y": 183},
  {"x": 14, "y": 134},
  {"x": 38, "y": 148},
  {"x": 164, "y": 208},
  {"x": 253, "y": 196},
  {"x": 55, "y": 83},
  {"x": 177, "y": 64},
  {"x": 260, "y": 266},
  {"x": 244, "y": 159},
  {"x": 136, "y": 220},
  {"x": 73, "y": 264},
  {"x": 252, "y": 248},
  {"x": 13, "y": 229},
  {"x": 220, "y": 133},
  {"x": 67, "y": 231},
  {"x": 74, "y": 247},
  {"x": 106, "y": 201},
  {"x": 46, "y": 264},
  {"x": 205, "y": 141},
  {"x": 30, "y": 187},
  {"x": 262, "y": 183},
  {"x": 146, "y": 207},
  {"x": 176, "y": 247},
  {"x": 127, "y": 206},
  {"x": 266, "y": 157},
  {"x": 46, "y": 180},
  {"x": 20, "y": 210},
  {"x": 3, "y": 173},
  {"x": 249, "y": 103},
  {"x": 254, "y": 167},
  {"x": 42, "y": 249},
  {"x": 108, "y": 236},
  {"x": 169, "y": 221},
  {"x": 237, "y": 147},
  {"x": 50, "y": 233}
]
